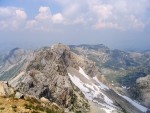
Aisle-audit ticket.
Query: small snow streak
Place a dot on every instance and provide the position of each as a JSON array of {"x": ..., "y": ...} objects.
[
  {"x": 83, "y": 73},
  {"x": 137, "y": 105},
  {"x": 102, "y": 86}
]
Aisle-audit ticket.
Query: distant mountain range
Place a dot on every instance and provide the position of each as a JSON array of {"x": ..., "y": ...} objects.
[
  {"x": 81, "y": 78},
  {"x": 116, "y": 59}
]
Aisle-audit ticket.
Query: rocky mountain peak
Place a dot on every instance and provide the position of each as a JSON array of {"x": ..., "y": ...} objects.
[
  {"x": 60, "y": 46},
  {"x": 58, "y": 74},
  {"x": 47, "y": 76}
]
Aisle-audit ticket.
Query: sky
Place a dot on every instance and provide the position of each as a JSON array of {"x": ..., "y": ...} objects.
[{"x": 119, "y": 24}]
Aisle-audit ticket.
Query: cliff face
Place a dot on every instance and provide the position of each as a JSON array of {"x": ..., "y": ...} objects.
[
  {"x": 47, "y": 76},
  {"x": 141, "y": 90},
  {"x": 121, "y": 67},
  {"x": 125, "y": 71}
]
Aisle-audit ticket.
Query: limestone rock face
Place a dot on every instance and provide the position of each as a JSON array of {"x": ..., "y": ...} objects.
[
  {"x": 18, "y": 95},
  {"x": 47, "y": 77},
  {"x": 141, "y": 90},
  {"x": 5, "y": 90}
]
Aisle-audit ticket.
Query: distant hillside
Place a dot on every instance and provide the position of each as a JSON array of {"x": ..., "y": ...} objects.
[{"x": 121, "y": 68}]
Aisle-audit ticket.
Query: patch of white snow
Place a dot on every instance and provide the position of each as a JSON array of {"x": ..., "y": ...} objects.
[
  {"x": 89, "y": 86},
  {"x": 78, "y": 83},
  {"x": 83, "y": 73},
  {"x": 93, "y": 91},
  {"x": 137, "y": 105},
  {"x": 102, "y": 86},
  {"x": 105, "y": 105},
  {"x": 107, "y": 100},
  {"x": 107, "y": 110}
]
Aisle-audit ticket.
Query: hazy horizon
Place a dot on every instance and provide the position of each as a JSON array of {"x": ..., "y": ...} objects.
[{"x": 120, "y": 24}]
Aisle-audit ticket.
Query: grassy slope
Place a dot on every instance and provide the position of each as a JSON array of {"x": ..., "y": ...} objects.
[{"x": 11, "y": 105}]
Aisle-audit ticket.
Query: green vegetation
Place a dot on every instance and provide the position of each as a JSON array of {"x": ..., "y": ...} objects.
[
  {"x": 2, "y": 108},
  {"x": 34, "y": 107},
  {"x": 78, "y": 112},
  {"x": 38, "y": 108},
  {"x": 32, "y": 100},
  {"x": 130, "y": 78},
  {"x": 14, "y": 107},
  {"x": 35, "y": 112}
]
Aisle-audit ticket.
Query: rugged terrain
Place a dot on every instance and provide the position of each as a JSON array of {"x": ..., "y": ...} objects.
[
  {"x": 120, "y": 64},
  {"x": 79, "y": 79},
  {"x": 30, "y": 105},
  {"x": 120, "y": 68},
  {"x": 13, "y": 62},
  {"x": 141, "y": 90},
  {"x": 12, "y": 101}
]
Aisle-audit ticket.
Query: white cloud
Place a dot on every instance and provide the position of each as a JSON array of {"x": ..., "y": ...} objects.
[
  {"x": 102, "y": 25},
  {"x": 21, "y": 14},
  {"x": 5, "y": 12},
  {"x": 12, "y": 18},
  {"x": 31, "y": 24},
  {"x": 45, "y": 20},
  {"x": 79, "y": 20},
  {"x": 97, "y": 14},
  {"x": 135, "y": 23},
  {"x": 107, "y": 13},
  {"x": 3, "y": 25},
  {"x": 102, "y": 11},
  {"x": 57, "y": 18},
  {"x": 44, "y": 13}
]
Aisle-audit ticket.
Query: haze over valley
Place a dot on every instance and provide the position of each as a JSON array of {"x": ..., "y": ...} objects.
[{"x": 74, "y": 56}]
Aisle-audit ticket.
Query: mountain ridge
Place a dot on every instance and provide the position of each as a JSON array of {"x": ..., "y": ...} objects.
[{"x": 62, "y": 64}]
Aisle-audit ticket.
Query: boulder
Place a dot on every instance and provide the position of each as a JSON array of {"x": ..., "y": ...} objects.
[
  {"x": 18, "y": 95},
  {"x": 5, "y": 90},
  {"x": 143, "y": 86},
  {"x": 45, "y": 100}
]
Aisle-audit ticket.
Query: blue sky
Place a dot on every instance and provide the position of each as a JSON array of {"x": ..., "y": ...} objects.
[{"x": 121, "y": 24}]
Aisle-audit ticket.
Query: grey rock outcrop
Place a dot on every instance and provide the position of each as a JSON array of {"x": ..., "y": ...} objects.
[
  {"x": 141, "y": 91},
  {"x": 46, "y": 76},
  {"x": 18, "y": 95},
  {"x": 5, "y": 90}
]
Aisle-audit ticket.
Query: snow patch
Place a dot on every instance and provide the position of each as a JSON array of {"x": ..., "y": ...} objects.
[
  {"x": 110, "y": 108},
  {"x": 102, "y": 86},
  {"x": 93, "y": 91},
  {"x": 107, "y": 100},
  {"x": 125, "y": 87},
  {"x": 137, "y": 105},
  {"x": 107, "y": 110},
  {"x": 83, "y": 73},
  {"x": 78, "y": 83}
]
